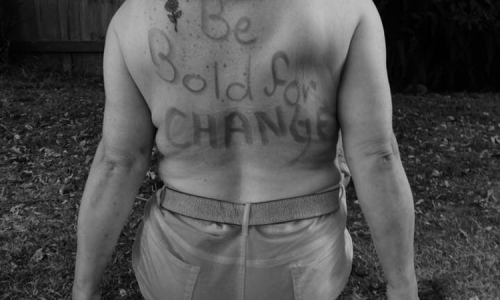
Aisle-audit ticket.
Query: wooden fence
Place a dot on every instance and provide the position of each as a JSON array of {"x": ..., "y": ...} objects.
[{"x": 69, "y": 33}]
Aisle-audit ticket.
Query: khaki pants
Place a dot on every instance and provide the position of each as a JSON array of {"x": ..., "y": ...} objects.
[{"x": 177, "y": 257}]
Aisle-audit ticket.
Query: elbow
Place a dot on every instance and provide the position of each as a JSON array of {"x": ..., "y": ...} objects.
[
  {"x": 382, "y": 162},
  {"x": 386, "y": 150},
  {"x": 120, "y": 161},
  {"x": 376, "y": 155},
  {"x": 117, "y": 162},
  {"x": 112, "y": 165},
  {"x": 387, "y": 156}
]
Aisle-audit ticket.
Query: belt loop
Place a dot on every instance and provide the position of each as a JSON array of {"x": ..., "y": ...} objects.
[
  {"x": 160, "y": 195},
  {"x": 341, "y": 185},
  {"x": 341, "y": 190},
  {"x": 246, "y": 219}
]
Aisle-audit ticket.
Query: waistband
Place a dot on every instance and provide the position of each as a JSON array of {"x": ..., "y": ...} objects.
[{"x": 261, "y": 213}]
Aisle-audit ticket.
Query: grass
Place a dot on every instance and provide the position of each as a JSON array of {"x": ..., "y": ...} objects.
[{"x": 50, "y": 126}]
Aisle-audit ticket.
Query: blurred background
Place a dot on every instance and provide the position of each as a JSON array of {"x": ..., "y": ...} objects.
[{"x": 439, "y": 45}]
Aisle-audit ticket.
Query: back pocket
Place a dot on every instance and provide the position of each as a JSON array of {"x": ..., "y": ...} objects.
[
  {"x": 160, "y": 274},
  {"x": 322, "y": 279}
]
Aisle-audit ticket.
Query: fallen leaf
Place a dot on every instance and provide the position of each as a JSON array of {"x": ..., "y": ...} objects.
[
  {"x": 64, "y": 189},
  {"x": 356, "y": 296},
  {"x": 491, "y": 194},
  {"x": 16, "y": 150},
  {"x": 476, "y": 262},
  {"x": 463, "y": 232},
  {"x": 38, "y": 256},
  {"x": 15, "y": 209},
  {"x": 151, "y": 175},
  {"x": 491, "y": 260}
]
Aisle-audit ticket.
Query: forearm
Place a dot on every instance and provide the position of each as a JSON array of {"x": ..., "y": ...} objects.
[
  {"x": 106, "y": 204},
  {"x": 386, "y": 200}
]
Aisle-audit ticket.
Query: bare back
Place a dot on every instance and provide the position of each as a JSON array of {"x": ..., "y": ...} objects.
[{"x": 243, "y": 93}]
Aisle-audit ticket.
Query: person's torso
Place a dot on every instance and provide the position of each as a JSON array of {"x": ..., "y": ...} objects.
[{"x": 242, "y": 92}]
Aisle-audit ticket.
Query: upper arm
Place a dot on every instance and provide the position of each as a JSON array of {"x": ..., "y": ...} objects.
[
  {"x": 365, "y": 109},
  {"x": 128, "y": 132}
]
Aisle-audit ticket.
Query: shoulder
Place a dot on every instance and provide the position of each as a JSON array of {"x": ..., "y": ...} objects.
[
  {"x": 127, "y": 38},
  {"x": 351, "y": 11},
  {"x": 344, "y": 16},
  {"x": 360, "y": 8},
  {"x": 341, "y": 19},
  {"x": 128, "y": 26},
  {"x": 132, "y": 18},
  {"x": 359, "y": 18},
  {"x": 368, "y": 15}
]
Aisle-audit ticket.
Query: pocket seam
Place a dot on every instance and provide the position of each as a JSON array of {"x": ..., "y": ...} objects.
[
  {"x": 193, "y": 277},
  {"x": 178, "y": 262},
  {"x": 297, "y": 273},
  {"x": 297, "y": 287},
  {"x": 192, "y": 270}
]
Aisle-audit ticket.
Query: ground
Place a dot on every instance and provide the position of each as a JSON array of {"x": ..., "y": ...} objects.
[{"x": 50, "y": 126}]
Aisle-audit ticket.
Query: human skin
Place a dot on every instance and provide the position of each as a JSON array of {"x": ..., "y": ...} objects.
[{"x": 244, "y": 101}]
